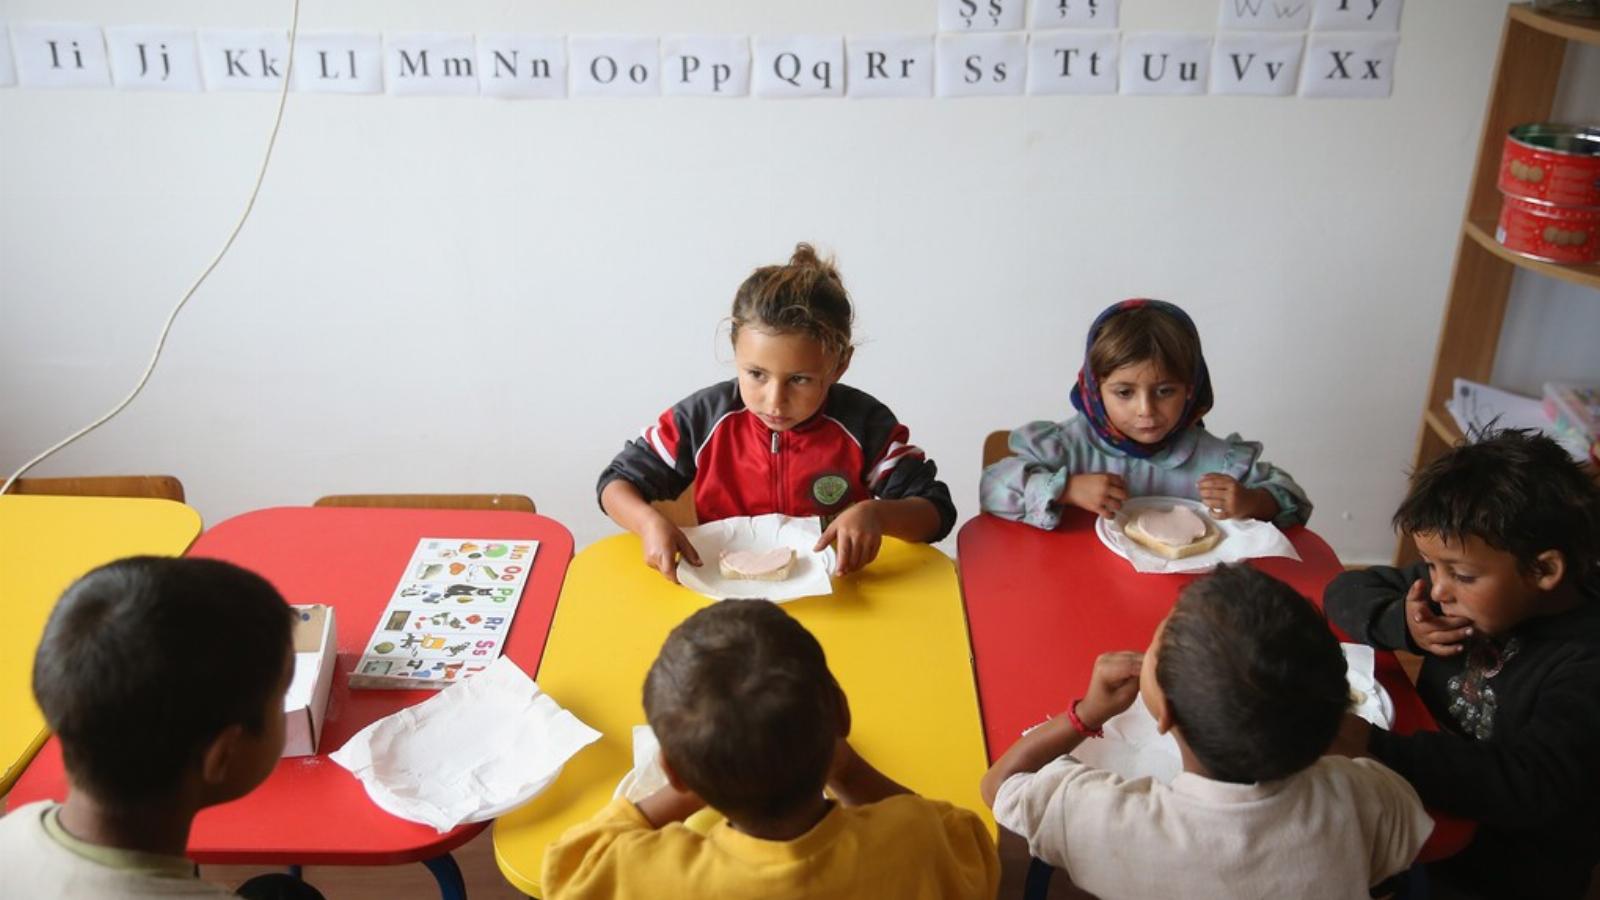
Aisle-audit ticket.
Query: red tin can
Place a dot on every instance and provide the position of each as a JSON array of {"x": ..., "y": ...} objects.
[
  {"x": 1545, "y": 231},
  {"x": 1553, "y": 163}
]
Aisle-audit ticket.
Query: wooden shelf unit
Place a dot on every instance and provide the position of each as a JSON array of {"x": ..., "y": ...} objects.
[{"x": 1527, "y": 74}]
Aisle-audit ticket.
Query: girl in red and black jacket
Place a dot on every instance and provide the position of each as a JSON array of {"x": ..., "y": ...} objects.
[{"x": 784, "y": 436}]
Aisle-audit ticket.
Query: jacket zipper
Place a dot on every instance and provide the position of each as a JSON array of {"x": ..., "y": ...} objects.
[{"x": 777, "y": 477}]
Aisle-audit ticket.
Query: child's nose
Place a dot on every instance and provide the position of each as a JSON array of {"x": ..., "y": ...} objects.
[{"x": 1440, "y": 593}]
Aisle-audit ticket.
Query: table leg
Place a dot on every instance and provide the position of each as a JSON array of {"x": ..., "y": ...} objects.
[
  {"x": 1036, "y": 884},
  {"x": 448, "y": 874}
]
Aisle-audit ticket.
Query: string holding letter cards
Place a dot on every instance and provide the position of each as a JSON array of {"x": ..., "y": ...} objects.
[{"x": 1263, "y": 48}]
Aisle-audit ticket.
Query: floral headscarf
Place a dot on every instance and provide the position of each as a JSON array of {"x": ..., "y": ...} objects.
[{"x": 1086, "y": 393}]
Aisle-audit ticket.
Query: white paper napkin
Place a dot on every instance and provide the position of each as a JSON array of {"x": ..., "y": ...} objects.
[
  {"x": 1133, "y": 748},
  {"x": 809, "y": 578},
  {"x": 477, "y": 749},
  {"x": 1241, "y": 539},
  {"x": 1367, "y": 697},
  {"x": 646, "y": 777}
]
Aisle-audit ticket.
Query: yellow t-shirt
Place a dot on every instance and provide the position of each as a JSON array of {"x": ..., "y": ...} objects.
[{"x": 903, "y": 847}]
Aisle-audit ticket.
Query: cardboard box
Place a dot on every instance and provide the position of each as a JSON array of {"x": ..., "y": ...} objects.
[{"x": 315, "y": 654}]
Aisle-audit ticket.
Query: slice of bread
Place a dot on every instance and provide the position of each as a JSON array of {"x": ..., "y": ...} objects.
[
  {"x": 757, "y": 565},
  {"x": 1199, "y": 545}
]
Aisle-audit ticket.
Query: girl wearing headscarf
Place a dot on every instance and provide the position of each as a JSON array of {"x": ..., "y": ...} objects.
[{"x": 1140, "y": 397}]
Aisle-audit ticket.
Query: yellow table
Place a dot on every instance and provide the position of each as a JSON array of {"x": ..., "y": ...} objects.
[
  {"x": 45, "y": 544},
  {"x": 895, "y": 635}
]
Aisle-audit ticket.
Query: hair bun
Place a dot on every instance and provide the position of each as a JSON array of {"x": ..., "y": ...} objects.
[{"x": 805, "y": 255}]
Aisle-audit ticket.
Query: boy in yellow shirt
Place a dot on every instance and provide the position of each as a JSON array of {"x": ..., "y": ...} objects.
[{"x": 752, "y": 723}]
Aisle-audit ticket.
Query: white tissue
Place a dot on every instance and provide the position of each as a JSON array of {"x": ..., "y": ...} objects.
[
  {"x": 646, "y": 777},
  {"x": 810, "y": 576},
  {"x": 476, "y": 749}
]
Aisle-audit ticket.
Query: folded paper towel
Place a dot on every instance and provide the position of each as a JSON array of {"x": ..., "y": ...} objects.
[{"x": 417, "y": 764}]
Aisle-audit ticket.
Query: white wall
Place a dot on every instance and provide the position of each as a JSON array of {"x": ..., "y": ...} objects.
[{"x": 462, "y": 294}]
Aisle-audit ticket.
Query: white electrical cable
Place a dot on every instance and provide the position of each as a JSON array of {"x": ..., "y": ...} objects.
[{"x": 283, "y": 96}]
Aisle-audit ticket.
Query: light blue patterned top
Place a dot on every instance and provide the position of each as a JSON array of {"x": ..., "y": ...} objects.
[{"x": 1026, "y": 487}]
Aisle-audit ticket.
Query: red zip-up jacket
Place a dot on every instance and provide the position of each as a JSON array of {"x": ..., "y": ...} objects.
[{"x": 852, "y": 449}]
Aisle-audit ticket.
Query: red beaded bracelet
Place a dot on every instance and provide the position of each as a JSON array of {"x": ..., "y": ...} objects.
[{"x": 1077, "y": 723}]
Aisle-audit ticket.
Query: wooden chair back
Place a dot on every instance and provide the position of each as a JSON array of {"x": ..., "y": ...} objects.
[
  {"x": 157, "y": 487},
  {"x": 996, "y": 446},
  {"x": 510, "y": 502}
]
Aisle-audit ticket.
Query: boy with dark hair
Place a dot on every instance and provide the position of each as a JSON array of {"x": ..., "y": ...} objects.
[
  {"x": 752, "y": 723},
  {"x": 1251, "y": 683},
  {"x": 1503, "y": 607},
  {"x": 164, "y": 681}
]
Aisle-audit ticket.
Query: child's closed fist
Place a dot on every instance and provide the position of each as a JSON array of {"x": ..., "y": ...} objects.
[
  {"x": 1112, "y": 687},
  {"x": 1228, "y": 499},
  {"x": 663, "y": 541},
  {"x": 1439, "y": 635},
  {"x": 1101, "y": 493}
]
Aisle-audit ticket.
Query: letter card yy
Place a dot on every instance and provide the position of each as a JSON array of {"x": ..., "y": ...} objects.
[{"x": 449, "y": 615}]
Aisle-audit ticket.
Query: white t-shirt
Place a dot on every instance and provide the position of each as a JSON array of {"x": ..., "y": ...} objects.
[
  {"x": 37, "y": 860},
  {"x": 1330, "y": 831}
]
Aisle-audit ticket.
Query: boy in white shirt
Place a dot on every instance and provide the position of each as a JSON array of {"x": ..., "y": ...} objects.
[
  {"x": 163, "y": 679},
  {"x": 1246, "y": 675}
]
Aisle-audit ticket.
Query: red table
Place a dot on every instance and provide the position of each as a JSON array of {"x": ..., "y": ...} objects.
[
  {"x": 1042, "y": 605},
  {"x": 310, "y": 810}
]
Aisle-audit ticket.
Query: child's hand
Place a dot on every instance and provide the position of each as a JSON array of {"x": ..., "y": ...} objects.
[
  {"x": 1112, "y": 687},
  {"x": 857, "y": 535},
  {"x": 1228, "y": 499},
  {"x": 1101, "y": 493},
  {"x": 1437, "y": 634},
  {"x": 663, "y": 541}
]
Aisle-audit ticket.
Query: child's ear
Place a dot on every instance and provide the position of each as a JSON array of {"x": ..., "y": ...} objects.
[
  {"x": 1160, "y": 710},
  {"x": 216, "y": 765},
  {"x": 844, "y": 362},
  {"x": 1549, "y": 568},
  {"x": 844, "y": 710},
  {"x": 673, "y": 780}
]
